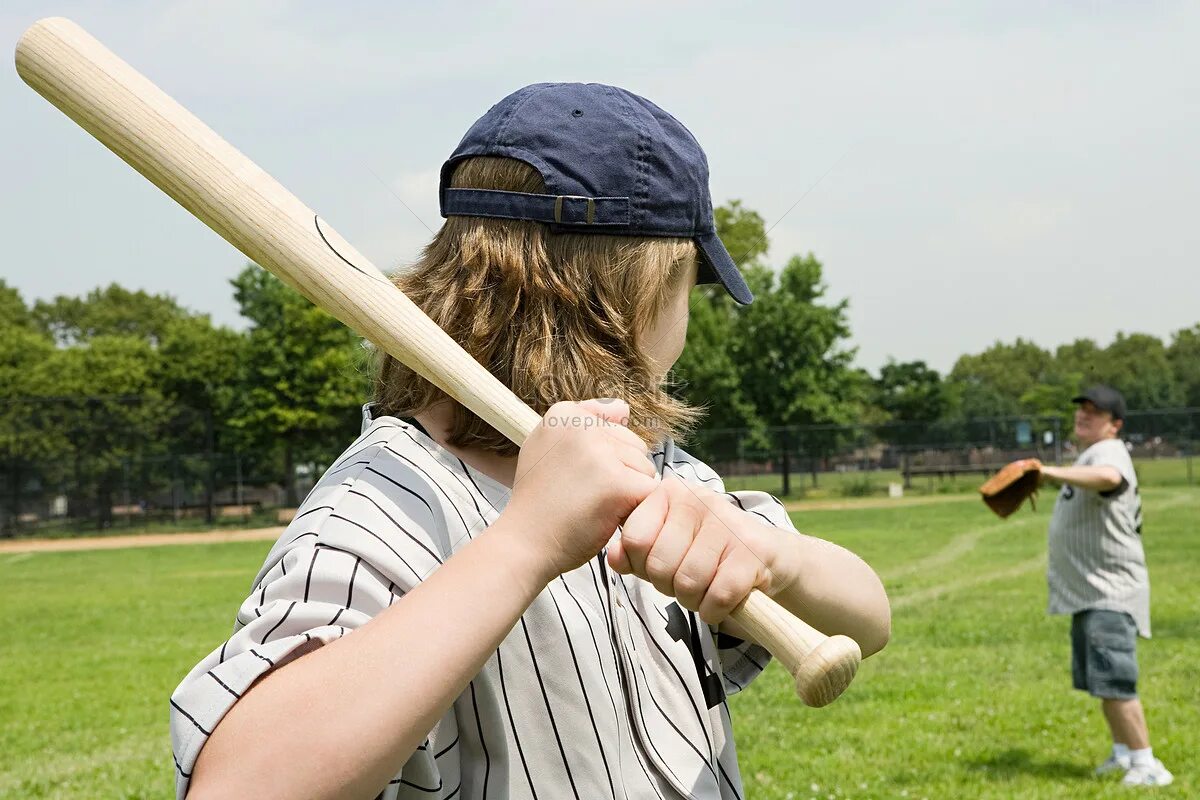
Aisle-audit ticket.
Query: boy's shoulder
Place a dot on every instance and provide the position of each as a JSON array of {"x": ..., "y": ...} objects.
[
  {"x": 1107, "y": 451},
  {"x": 384, "y": 495}
]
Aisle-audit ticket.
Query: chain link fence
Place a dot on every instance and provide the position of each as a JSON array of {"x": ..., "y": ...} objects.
[
  {"x": 70, "y": 465},
  {"x": 928, "y": 452}
]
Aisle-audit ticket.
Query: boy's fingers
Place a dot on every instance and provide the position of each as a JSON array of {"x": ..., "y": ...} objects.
[
  {"x": 670, "y": 546},
  {"x": 699, "y": 566},
  {"x": 641, "y": 529},
  {"x": 636, "y": 461},
  {"x": 735, "y": 577}
]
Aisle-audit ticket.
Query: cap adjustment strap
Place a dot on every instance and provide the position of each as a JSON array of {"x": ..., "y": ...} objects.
[
  {"x": 562, "y": 209},
  {"x": 558, "y": 204}
]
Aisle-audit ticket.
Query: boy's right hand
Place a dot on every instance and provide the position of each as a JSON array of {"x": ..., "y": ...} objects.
[{"x": 579, "y": 475}]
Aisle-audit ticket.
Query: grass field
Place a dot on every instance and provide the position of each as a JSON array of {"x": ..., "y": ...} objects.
[{"x": 972, "y": 698}]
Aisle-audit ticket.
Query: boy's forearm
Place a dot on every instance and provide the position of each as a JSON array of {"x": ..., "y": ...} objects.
[
  {"x": 831, "y": 589},
  {"x": 1097, "y": 479},
  {"x": 342, "y": 720}
]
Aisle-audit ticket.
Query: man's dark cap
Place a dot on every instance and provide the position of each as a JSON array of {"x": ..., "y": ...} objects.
[
  {"x": 1104, "y": 398},
  {"x": 613, "y": 163}
]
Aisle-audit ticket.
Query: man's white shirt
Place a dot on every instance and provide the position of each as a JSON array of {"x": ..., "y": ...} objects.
[{"x": 1096, "y": 559}]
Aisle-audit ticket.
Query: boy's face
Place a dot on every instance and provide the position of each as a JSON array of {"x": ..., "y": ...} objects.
[
  {"x": 665, "y": 339},
  {"x": 1093, "y": 425}
]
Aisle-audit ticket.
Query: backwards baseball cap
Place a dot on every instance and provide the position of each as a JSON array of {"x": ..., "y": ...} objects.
[
  {"x": 613, "y": 163},
  {"x": 1104, "y": 398}
]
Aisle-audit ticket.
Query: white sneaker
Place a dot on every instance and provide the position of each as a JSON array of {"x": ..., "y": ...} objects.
[
  {"x": 1152, "y": 774},
  {"x": 1113, "y": 764}
]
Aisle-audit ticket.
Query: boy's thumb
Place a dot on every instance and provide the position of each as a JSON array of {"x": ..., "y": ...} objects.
[
  {"x": 617, "y": 558},
  {"x": 610, "y": 408}
]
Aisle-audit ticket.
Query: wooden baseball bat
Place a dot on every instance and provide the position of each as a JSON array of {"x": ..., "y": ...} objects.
[{"x": 230, "y": 194}]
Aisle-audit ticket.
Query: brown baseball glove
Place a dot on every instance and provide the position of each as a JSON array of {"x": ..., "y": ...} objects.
[{"x": 1005, "y": 491}]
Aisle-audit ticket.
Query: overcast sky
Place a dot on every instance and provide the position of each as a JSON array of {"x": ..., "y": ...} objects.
[{"x": 991, "y": 169}]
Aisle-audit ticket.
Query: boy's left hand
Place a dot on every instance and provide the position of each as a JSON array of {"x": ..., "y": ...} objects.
[{"x": 691, "y": 543}]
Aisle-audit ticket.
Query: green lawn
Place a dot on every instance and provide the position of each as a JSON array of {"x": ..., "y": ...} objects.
[{"x": 972, "y": 698}]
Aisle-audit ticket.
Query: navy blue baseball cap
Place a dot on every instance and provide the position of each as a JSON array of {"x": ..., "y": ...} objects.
[
  {"x": 1104, "y": 398},
  {"x": 613, "y": 163}
]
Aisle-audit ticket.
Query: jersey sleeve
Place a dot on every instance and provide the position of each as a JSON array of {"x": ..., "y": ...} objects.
[
  {"x": 741, "y": 661},
  {"x": 355, "y": 547},
  {"x": 1113, "y": 453}
]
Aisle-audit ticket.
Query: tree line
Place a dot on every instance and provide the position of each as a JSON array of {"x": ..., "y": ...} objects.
[{"x": 92, "y": 384}]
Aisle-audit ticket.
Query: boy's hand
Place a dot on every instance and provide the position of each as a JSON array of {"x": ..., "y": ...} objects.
[
  {"x": 579, "y": 475},
  {"x": 691, "y": 543}
]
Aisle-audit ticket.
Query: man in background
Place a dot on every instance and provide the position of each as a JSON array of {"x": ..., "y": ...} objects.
[{"x": 1097, "y": 573}]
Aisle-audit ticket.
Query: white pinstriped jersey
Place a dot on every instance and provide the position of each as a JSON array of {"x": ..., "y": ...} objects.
[
  {"x": 604, "y": 688},
  {"x": 1095, "y": 543}
]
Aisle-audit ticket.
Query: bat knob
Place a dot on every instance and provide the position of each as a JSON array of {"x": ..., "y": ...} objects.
[{"x": 826, "y": 671}]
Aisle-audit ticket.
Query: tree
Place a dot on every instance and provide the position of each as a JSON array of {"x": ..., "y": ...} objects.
[
  {"x": 13, "y": 311},
  {"x": 22, "y": 348},
  {"x": 1137, "y": 365},
  {"x": 197, "y": 372},
  {"x": 910, "y": 392},
  {"x": 742, "y": 231},
  {"x": 111, "y": 311},
  {"x": 791, "y": 349},
  {"x": 302, "y": 384},
  {"x": 993, "y": 383},
  {"x": 707, "y": 374},
  {"x": 103, "y": 403},
  {"x": 1184, "y": 356}
]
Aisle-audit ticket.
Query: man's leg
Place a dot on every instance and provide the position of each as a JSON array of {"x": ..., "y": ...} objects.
[
  {"x": 1083, "y": 678},
  {"x": 1111, "y": 674},
  {"x": 1127, "y": 722}
]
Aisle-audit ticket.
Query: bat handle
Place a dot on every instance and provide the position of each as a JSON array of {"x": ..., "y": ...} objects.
[{"x": 822, "y": 666}]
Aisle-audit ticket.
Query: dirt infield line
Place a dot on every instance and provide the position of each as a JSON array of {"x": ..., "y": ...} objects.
[
  {"x": 878, "y": 502},
  {"x": 260, "y": 534},
  {"x": 138, "y": 540},
  {"x": 263, "y": 534}
]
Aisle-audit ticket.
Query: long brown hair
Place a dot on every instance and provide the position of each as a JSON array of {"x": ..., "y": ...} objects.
[{"x": 554, "y": 316}]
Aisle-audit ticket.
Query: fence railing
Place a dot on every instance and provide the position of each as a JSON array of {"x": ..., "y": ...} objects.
[{"x": 122, "y": 479}]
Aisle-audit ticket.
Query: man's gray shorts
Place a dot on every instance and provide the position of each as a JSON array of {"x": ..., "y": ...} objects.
[{"x": 1104, "y": 654}]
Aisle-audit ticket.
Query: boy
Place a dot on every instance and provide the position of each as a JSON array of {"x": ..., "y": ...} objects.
[
  {"x": 1097, "y": 574},
  {"x": 495, "y": 654}
]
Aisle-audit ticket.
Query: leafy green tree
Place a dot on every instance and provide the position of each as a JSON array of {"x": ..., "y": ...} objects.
[
  {"x": 780, "y": 361},
  {"x": 13, "y": 311},
  {"x": 1137, "y": 364},
  {"x": 198, "y": 370},
  {"x": 111, "y": 311},
  {"x": 707, "y": 373},
  {"x": 103, "y": 402},
  {"x": 910, "y": 392},
  {"x": 22, "y": 445},
  {"x": 993, "y": 383},
  {"x": 302, "y": 382},
  {"x": 1184, "y": 356},
  {"x": 1081, "y": 358},
  {"x": 742, "y": 231},
  {"x": 791, "y": 349}
]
